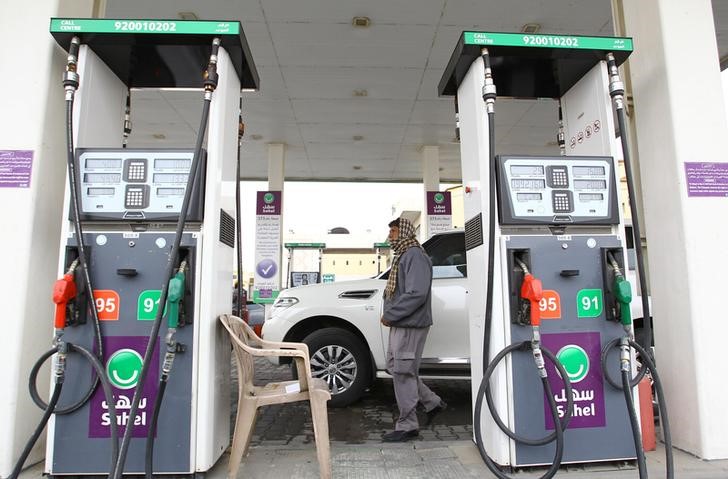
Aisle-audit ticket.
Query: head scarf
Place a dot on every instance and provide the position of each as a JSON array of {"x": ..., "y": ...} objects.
[{"x": 405, "y": 241}]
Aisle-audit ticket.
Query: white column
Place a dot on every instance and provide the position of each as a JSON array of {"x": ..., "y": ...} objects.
[
  {"x": 276, "y": 166},
  {"x": 32, "y": 120},
  {"x": 430, "y": 181},
  {"x": 680, "y": 118},
  {"x": 276, "y": 180}
]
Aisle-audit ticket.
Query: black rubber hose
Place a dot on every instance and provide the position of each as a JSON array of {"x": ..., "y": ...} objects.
[
  {"x": 559, "y": 423},
  {"x": 169, "y": 271},
  {"x": 149, "y": 453},
  {"x": 662, "y": 406},
  {"x": 661, "y": 402},
  {"x": 49, "y": 409},
  {"x": 635, "y": 424},
  {"x": 636, "y": 226},
  {"x": 605, "y": 352},
  {"x": 526, "y": 346},
  {"x": 38, "y": 430}
]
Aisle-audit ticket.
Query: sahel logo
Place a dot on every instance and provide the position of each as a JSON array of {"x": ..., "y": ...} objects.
[
  {"x": 124, "y": 368},
  {"x": 269, "y": 198},
  {"x": 575, "y": 362},
  {"x": 439, "y": 198}
]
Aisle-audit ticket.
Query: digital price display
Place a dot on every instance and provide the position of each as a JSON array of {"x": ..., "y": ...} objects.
[
  {"x": 557, "y": 190},
  {"x": 590, "y": 184},
  {"x": 527, "y": 184},
  {"x": 104, "y": 178},
  {"x": 132, "y": 184}
]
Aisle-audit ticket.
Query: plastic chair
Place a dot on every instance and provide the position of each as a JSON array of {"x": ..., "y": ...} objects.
[{"x": 247, "y": 346}]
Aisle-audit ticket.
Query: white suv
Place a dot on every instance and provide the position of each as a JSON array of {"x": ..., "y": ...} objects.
[{"x": 340, "y": 324}]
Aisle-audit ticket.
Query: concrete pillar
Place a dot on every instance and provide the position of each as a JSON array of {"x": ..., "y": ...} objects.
[
  {"x": 276, "y": 166},
  {"x": 33, "y": 120},
  {"x": 680, "y": 119},
  {"x": 430, "y": 181},
  {"x": 276, "y": 179}
]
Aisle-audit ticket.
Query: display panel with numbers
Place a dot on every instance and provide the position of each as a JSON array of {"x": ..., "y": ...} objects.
[
  {"x": 138, "y": 184},
  {"x": 556, "y": 190}
]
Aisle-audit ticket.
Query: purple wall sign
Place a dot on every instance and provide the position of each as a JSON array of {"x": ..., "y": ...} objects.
[
  {"x": 122, "y": 362},
  {"x": 268, "y": 203},
  {"x": 707, "y": 179},
  {"x": 439, "y": 203},
  {"x": 15, "y": 168},
  {"x": 579, "y": 353}
]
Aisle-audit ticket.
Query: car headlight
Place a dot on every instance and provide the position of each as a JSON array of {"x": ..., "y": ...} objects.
[{"x": 285, "y": 302}]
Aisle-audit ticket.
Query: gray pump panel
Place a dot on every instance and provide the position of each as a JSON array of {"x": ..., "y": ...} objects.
[{"x": 127, "y": 273}]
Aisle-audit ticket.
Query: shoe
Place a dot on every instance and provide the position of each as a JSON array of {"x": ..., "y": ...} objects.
[
  {"x": 400, "y": 436},
  {"x": 434, "y": 412}
]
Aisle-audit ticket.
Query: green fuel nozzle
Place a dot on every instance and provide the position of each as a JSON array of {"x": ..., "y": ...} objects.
[
  {"x": 176, "y": 292},
  {"x": 623, "y": 293}
]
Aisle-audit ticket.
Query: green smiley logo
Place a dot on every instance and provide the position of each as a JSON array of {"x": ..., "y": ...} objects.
[
  {"x": 439, "y": 198},
  {"x": 269, "y": 197},
  {"x": 575, "y": 362},
  {"x": 124, "y": 368}
]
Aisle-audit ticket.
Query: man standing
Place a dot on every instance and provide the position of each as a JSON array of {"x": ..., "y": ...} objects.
[{"x": 408, "y": 312}]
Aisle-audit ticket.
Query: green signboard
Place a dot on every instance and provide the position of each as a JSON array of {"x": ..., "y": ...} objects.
[
  {"x": 305, "y": 245},
  {"x": 148, "y": 304},
  {"x": 589, "y": 303},
  {"x": 87, "y": 25},
  {"x": 547, "y": 41}
]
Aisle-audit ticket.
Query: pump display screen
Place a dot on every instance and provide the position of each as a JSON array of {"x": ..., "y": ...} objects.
[
  {"x": 169, "y": 178},
  {"x": 588, "y": 170},
  {"x": 528, "y": 184},
  {"x": 526, "y": 170},
  {"x": 92, "y": 163},
  {"x": 590, "y": 185},
  {"x": 105, "y": 178},
  {"x": 557, "y": 190},
  {"x": 172, "y": 163},
  {"x": 138, "y": 184}
]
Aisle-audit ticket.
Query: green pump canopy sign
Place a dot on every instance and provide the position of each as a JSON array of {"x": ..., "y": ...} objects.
[
  {"x": 545, "y": 65},
  {"x": 547, "y": 41},
  {"x": 84, "y": 25}
]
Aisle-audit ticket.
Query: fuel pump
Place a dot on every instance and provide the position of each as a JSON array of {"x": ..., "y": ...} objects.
[
  {"x": 554, "y": 216},
  {"x": 150, "y": 216}
]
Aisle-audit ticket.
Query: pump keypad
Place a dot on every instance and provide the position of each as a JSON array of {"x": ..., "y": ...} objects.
[
  {"x": 136, "y": 197},
  {"x": 562, "y": 201},
  {"x": 135, "y": 170},
  {"x": 557, "y": 176}
]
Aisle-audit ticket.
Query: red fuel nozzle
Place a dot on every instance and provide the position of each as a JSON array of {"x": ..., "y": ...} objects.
[
  {"x": 63, "y": 290},
  {"x": 532, "y": 290}
]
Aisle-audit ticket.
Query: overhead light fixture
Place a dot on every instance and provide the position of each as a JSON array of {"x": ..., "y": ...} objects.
[
  {"x": 256, "y": 137},
  {"x": 188, "y": 15},
  {"x": 159, "y": 136},
  {"x": 357, "y": 138},
  {"x": 361, "y": 22},
  {"x": 356, "y": 167},
  {"x": 360, "y": 92},
  {"x": 531, "y": 28}
]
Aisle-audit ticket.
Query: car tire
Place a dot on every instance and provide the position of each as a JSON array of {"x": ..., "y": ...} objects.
[{"x": 342, "y": 360}]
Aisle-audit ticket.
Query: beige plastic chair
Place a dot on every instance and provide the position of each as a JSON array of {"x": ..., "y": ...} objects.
[{"x": 246, "y": 346}]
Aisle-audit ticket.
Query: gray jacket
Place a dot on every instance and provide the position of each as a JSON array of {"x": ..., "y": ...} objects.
[{"x": 411, "y": 304}]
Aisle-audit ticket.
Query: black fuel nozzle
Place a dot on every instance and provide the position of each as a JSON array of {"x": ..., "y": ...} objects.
[
  {"x": 70, "y": 76},
  {"x": 489, "y": 91},
  {"x": 127, "y": 120},
  {"x": 561, "y": 134},
  {"x": 210, "y": 75}
]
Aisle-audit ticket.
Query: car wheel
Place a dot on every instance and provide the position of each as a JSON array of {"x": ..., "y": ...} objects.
[{"x": 342, "y": 360}]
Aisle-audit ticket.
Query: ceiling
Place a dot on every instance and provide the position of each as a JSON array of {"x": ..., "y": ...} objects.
[{"x": 358, "y": 104}]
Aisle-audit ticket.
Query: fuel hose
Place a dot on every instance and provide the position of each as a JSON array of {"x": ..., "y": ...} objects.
[
  {"x": 210, "y": 83},
  {"x": 489, "y": 96}
]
